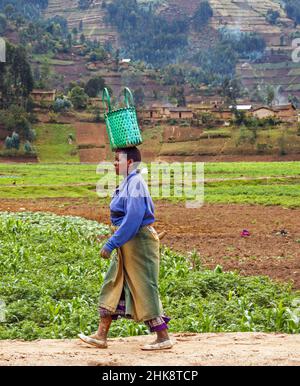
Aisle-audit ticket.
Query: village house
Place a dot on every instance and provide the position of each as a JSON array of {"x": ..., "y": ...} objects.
[
  {"x": 150, "y": 113},
  {"x": 180, "y": 113},
  {"x": 224, "y": 113},
  {"x": 286, "y": 113},
  {"x": 157, "y": 111},
  {"x": 43, "y": 96},
  {"x": 263, "y": 112}
]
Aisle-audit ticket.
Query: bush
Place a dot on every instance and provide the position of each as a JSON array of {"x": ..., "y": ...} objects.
[
  {"x": 52, "y": 117},
  {"x": 8, "y": 143},
  {"x": 78, "y": 97},
  {"x": 28, "y": 148},
  {"x": 61, "y": 104},
  {"x": 282, "y": 144}
]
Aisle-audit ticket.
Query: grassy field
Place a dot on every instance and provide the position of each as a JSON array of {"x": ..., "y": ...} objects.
[
  {"x": 273, "y": 183},
  {"x": 51, "y": 275},
  {"x": 52, "y": 143}
]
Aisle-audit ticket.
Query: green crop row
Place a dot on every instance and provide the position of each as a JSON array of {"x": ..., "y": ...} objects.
[{"x": 51, "y": 275}]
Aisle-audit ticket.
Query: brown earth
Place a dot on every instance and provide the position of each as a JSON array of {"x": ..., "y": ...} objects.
[
  {"x": 213, "y": 230},
  {"x": 238, "y": 349},
  {"x": 92, "y": 141}
]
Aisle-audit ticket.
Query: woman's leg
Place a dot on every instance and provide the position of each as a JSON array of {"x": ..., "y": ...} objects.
[
  {"x": 99, "y": 339},
  {"x": 103, "y": 328},
  {"x": 159, "y": 325},
  {"x": 162, "y": 335}
]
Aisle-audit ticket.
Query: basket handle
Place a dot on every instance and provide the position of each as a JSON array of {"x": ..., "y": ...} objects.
[
  {"x": 128, "y": 97},
  {"x": 106, "y": 100}
]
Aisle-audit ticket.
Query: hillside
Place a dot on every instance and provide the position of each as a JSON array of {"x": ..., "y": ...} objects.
[
  {"x": 92, "y": 18},
  {"x": 246, "y": 16}
]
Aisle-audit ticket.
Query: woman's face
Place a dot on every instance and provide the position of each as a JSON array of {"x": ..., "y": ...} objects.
[{"x": 121, "y": 164}]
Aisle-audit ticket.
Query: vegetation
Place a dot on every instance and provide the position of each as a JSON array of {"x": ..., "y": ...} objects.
[
  {"x": 157, "y": 41},
  {"x": 202, "y": 15},
  {"x": 16, "y": 80},
  {"x": 94, "y": 86},
  {"x": 273, "y": 183},
  {"x": 78, "y": 97},
  {"x": 24, "y": 9},
  {"x": 52, "y": 143},
  {"x": 272, "y": 16},
  {"x": 292, "y": 8},
  {"x": 51, "y": 275}
]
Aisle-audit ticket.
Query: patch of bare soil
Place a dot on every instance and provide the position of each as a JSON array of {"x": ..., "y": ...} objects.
[
  {"x": 92, "y": 140},
  {"x": 231, "y": 158},
  {"x": 273, "y": 247},
  {"x": 238, "y": 349}
]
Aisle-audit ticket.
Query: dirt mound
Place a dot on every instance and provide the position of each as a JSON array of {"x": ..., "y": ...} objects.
[{"x": 239, "y": 349}]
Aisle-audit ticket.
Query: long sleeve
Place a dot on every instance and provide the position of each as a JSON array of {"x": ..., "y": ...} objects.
[{"x": 135, "y": 209}]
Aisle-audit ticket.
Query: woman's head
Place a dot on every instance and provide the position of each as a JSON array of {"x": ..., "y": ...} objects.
[{"x": 126, "y": 160}]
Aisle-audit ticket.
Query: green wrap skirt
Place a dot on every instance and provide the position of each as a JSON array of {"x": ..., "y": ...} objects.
[{"x": 134, "y": 271}]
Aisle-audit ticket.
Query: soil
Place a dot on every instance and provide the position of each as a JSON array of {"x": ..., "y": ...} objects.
[
  {"x": 92, "y": 141},
  {"x": 237, "y": 349},
  {"x": 272, "y": 249}
]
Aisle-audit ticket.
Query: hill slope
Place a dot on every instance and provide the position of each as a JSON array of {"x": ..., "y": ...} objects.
[{"x": 92, "y": 18}]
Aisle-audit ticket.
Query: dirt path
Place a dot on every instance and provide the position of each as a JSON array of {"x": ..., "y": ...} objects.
[
  {"x": 239, "y": 349},
  {"x": 213, "y": 230}
]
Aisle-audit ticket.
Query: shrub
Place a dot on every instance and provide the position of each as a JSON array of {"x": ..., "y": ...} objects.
[{"x": 61, "y": 104}]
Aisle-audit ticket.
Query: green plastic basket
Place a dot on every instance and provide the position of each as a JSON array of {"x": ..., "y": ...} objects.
[{"x": 122, "y": 124}]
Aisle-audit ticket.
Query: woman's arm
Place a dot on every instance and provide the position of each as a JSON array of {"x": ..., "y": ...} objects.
[{"x": 131, "y": 223}]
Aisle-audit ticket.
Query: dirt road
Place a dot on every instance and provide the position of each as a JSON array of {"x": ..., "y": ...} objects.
[{"x": 239, "y": 349}]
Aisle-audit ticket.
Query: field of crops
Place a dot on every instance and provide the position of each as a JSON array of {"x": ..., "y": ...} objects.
[
  {"x": 273, "y": 183},
  {"x": 51, "y": 275}
]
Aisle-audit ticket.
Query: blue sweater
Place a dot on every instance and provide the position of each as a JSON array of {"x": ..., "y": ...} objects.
[{"x": 131, "y": 208}]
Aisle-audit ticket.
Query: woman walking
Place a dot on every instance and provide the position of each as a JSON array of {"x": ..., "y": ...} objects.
[{"x": 130, "y": 287}]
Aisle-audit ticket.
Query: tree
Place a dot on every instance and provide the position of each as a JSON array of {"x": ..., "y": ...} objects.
[
  {"x": 231, "y": 90},
  {"x": 270, "y": 95},
  {"x": 27, "y": 147},
  {"x": 272, "y": 16},
  {"x": 16, "y": 80},
  {"x": 9, "y": 10},
  {"x": 202, "y": 15},
  {"x": 173, "y": 75},
  {"x": 82, "y": 38},
  {"x": 8, "y": 143},
  {"x": 84, "y": 4},
  {"x": 177, "y": 95},
  {"x": 15, "y": 140},
  {"x": 78, "y": 97},
  {"x": 139, "y": 97},
  {"x": 94, "y": 86}
]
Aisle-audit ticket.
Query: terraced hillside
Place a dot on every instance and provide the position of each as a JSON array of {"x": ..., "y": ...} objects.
[
  {"x": 250, "y": 15},
  {"x": 92, "y": 18},
  {"x": 246, "y": 15},
  {"x": 283, "y": 76}
]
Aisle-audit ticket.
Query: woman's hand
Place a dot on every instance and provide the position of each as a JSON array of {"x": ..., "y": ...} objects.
[{"x": 105, "y": 253}]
